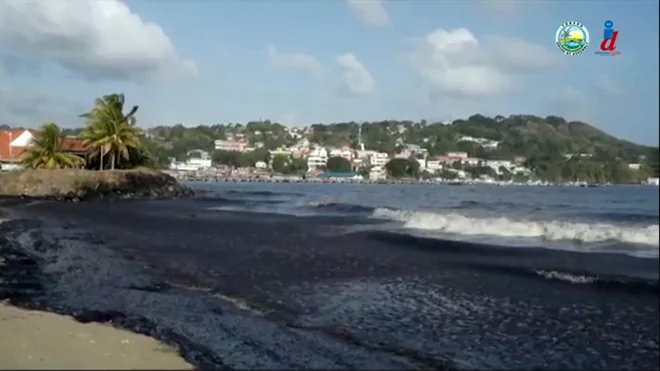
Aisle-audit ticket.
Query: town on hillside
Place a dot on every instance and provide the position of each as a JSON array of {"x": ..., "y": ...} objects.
[
  {"x": 307, "y": 160},
  {"x": 478, "y": 150}
]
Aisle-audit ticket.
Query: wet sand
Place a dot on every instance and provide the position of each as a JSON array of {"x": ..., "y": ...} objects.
[
  {"x": 254, "y": 291},
  {"x": 40, "y": 340}
]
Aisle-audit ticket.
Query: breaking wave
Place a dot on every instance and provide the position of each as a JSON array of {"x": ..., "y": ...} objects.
[
  {"x": 340, "y": 207},
  {"x": 506, "y": 228}
]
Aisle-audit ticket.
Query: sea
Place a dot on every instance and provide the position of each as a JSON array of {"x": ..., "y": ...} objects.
[
  {"x": 613, "y": 219},
  {"x": 358, "y": 276}
]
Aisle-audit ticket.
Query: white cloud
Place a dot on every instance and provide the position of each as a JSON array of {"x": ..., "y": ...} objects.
[
  {"x": 518, "y": 54},
  {"x": 94, "y": 39},
  {"x": 294, "y": 60},
  {"x": 356, "y": 78},
  {"x": 454, "y": 62},
  {"x": 369, "y": 12}
]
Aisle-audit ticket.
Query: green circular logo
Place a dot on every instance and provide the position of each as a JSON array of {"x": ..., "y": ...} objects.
[{"x": 572, "y": 38}]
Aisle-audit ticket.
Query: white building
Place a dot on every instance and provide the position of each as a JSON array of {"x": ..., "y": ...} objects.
[
  {"x": 344, "y": 152},
  {"x": 379, "y": 159},
  {"x": 377, "y": 173},
  {"x": 433, "y": 165},
  {"x": 261, "y": 165},
  {"x": 192, "y": 164},
  {"x": 483, "y": 142},
  {"x": 280, "y": 152},
  {"x": 364, "y": 153},
  {"x": 317, "y": 158},
  {"x": 230, "y": 145},
  {"x": 460, "y": 155}
]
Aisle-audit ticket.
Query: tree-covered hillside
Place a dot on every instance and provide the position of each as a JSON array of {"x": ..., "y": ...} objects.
[
  {"x": 519, "y": 135},
  {"x": 546, "y": 142}
]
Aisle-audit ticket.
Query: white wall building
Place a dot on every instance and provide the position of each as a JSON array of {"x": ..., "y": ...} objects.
[
  {"x": 317, "y": 158},
  {"x": 192, "y": 164},
  {"x": 280, "y": 152},
  {"x": 379, "y": 159},
  {"x": 460, "y": 155},
  {"x": 230, "y": 145},
  {"x": 433, "y": 165},
  {"x": 483, "y": 142},
  {"x": 377, "y": 173},
  {"x": 344, "y": 152},
  {"x": 261, "y": 165}
]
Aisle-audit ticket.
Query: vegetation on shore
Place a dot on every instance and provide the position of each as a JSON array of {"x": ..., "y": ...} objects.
[
  {"x": 546, "y": 143},
  {"x": 111, "y": 138},
  {"x": 81, "y": 184},
  {"x": 116, "y": 165}
]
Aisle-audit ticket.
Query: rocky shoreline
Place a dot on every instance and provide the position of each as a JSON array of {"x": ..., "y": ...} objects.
[{"x": 85, "y": 185}]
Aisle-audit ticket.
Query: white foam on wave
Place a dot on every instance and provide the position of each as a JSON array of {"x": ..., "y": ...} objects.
[
  {"x": 507, "y": 228},
  {"x": 561, "y": 276}
]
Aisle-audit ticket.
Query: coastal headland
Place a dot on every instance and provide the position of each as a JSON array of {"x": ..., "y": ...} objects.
[{"x": 79, "y": 185}]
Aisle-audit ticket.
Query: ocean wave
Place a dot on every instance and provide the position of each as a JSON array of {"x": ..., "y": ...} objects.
[
  {"x": 506, "y": 228},
  {"x": 261, "y": 193},
  {"x": 329, "y": 205},
  {"x": 544, "y": 264},
  {"x": 606, "y": 282}
]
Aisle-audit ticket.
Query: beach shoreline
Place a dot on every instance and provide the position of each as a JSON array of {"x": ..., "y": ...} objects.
[
  {"x": 42, "y": 340},
  {"x": 235, "y": 291}
]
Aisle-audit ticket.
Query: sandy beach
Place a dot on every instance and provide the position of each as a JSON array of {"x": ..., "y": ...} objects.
[{"x": 40, "y": 340}]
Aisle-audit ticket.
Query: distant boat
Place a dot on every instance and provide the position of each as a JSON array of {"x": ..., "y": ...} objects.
[
  {"x": 594, "y": 186},
  {"x": 455, "y": 183}
]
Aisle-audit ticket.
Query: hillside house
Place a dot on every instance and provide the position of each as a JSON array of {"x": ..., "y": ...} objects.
[{"x": 13, "y": 142}]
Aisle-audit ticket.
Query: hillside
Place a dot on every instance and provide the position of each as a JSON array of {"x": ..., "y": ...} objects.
[{"x": 519, "y": 135}]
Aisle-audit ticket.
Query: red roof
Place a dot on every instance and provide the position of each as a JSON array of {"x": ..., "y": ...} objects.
[
  {"x": 73, "y": 145},
  {"x": 13, "y": 153},
  {"x": 7, "y": 152}
]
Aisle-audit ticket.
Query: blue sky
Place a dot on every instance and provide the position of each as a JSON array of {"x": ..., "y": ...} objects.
[{"x": 301, "y": 62}]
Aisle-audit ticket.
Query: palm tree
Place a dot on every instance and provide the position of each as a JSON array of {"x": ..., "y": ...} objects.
[
  {"x": 109, "y": 131},
  {"x": 46, "y": 151}
]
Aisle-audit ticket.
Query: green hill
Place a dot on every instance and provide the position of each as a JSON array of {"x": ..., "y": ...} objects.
[{"x": 544, "y": 141}]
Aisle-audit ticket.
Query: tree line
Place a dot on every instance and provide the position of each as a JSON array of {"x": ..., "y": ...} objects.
[{"x": 111, "y": 139}]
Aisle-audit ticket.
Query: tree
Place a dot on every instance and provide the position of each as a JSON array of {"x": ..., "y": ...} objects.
[
  {"x": 109, "y": 131},
  {"x": 448, "y": 174},
  {"x": 298, "y": 165},
  {"x": 47, "y": 151},
  {"x": 280, "y": 164},
  {"x": 338, "y": 165},
  {"x": 652, "y": 162},
  {"x": 401, "y": 167},
  {"x": 229, "y": 158}
]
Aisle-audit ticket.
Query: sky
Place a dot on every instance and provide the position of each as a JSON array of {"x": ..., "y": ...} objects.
[{"x": 300, "y": 62}]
